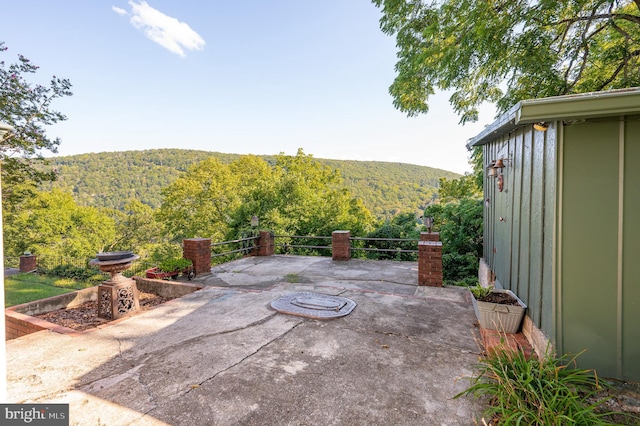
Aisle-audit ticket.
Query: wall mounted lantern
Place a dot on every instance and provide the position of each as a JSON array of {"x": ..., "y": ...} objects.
[
  {"x": 541, "y": 127},
  {"x": 254, "y": 221}
]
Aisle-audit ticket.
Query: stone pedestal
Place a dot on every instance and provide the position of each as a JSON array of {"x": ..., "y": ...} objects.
[
  {"x": 117, "y": 299},
  {"x": 117, "y": 296}
]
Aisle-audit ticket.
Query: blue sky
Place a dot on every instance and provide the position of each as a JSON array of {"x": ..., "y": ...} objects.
[{"x": 252, "y": 76}]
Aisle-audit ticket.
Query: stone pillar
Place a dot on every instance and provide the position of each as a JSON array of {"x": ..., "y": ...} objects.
[
  {"x": 265, "y": 244},
  {"x": 28, "y": 263},
  {"x": 430, "y": 263},
  {"x": 341, "y": 245},
  {"x": 198, "y": 250},
  {"x": 429, "y": 236}
]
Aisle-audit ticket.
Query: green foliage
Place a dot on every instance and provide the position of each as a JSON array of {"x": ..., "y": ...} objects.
[
  {"x": 51, "y": 224},
  {"x": 384, "y": 188},
  {"x": 76, "y": 273},
  {"x": 506, "y": 51},
  {"x": 295, "y": 196},
  {"x": 27, "y": 108},
  {"x": 405, "y": 226},
  {"x": 536, "y": 392},
  {"x": 174, "y": 264},
  {"x": 460, "y": 227},
  {"x": 480, "y": 292}
]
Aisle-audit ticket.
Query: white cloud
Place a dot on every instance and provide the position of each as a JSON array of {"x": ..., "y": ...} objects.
[
  {"x": 167, "y": 31},
  {"x": 119, "y": 11}
]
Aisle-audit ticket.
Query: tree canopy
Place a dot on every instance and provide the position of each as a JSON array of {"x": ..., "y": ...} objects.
[
  {"x": 26, "y": 106},
  {"x": 504, "y": 51},
  {"x": 296, "y": 196}
]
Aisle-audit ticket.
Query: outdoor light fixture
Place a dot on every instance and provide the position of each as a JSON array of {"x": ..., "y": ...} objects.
[
  {"x": 491, "y": 171},
  {"x": 542, "y": 126},
  {"x": 254, "y": 221}
]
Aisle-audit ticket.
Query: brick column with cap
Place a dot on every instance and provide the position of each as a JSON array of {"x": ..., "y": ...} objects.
[
  {"x": 341, "y": 245},
  {"x": 28, "y": 263},
  {"x": 265, "y": 244},
  {"x": 198, "y": 250},
  {"x": 430, "y": 263}
]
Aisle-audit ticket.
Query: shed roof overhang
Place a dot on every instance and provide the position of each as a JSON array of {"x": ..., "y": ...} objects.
[{"x": 569, "y": 107}]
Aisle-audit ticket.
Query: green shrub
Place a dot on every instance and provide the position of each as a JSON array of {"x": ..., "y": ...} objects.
[
  {"x": 174, "y": 264},
  {"x": 536, "y": 392}
]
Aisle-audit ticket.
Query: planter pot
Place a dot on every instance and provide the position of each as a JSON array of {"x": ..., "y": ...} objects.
[{"x": 495, "y": 316}]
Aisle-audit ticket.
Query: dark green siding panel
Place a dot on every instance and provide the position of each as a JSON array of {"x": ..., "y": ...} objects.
[
  {"x": 515, "y": 215},
  {"x": 631, "y": 250},
  {"x": 589, "y": 243},
  {"x": 501, "y": 204},
  {"x": 534, "y": 298},
  {"x": 550, "y": 158},
  {"x": 522, "y": 285}
]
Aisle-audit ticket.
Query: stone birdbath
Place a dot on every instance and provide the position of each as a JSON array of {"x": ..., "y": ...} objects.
[{"x": 117, "y": 296}]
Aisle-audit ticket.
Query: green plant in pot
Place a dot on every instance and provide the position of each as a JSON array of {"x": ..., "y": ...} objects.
[{"x": 174, "y": 265}]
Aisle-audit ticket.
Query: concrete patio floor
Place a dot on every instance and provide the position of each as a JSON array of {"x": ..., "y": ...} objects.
[{"x": 222, "y": 356}]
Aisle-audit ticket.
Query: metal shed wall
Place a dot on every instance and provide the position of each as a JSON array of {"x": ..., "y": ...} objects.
[
  {"x": 598, "y": 285},
  {"x": 519, "y": 221}
]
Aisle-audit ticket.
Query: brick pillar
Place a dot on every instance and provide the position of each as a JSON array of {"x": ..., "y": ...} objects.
[
  {"x": 429, "y": 236},
  {"x": 341, "y": 245},
  {"x": 28, "y": 263},
  {"x": 430, "y": 263},
  {"x": 265, "y": 244},
  {"x": 198, "y": 250}
]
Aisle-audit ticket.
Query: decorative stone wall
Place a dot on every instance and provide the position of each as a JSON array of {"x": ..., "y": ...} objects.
[
  {"x": 198, "y": 250},
  {"x": 341, "y": 245}
]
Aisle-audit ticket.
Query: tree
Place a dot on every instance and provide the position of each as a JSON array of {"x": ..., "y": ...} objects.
[
  {"x": 504, "y": 51},
  {"x": 51, "y": 224},
  {"x": 460, "y": 226},
  {"x": 27, "y": 108},
  {"x": 296, "y": 196}
]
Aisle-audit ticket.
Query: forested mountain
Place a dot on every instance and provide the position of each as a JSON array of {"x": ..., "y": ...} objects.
[{"x": 110, "y": 179}]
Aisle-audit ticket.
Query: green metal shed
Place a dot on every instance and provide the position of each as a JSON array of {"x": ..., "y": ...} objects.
[{"x": 561, "y": 223}]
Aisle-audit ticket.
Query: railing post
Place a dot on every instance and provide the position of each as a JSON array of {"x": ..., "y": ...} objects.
[
  {"x": 429, "y": 262},
  {"x": 341, "y": 245},
  {"x": 265, "y": 244},
  {"x": 198, "y": 250}
]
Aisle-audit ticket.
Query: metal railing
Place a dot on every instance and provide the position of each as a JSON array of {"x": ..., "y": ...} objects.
[
  {"x": 393, "y": 250},
  {"x": 245, "y": 247},
  {"x": 286, "y": 247}
]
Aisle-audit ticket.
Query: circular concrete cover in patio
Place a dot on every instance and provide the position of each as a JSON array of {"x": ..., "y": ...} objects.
[{"x": 313, "y": 305}]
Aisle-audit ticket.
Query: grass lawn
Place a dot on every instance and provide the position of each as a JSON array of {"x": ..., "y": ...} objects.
[{"x": 23, "y": 288}]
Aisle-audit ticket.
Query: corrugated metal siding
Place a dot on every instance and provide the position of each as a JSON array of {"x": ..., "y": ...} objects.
[{"x": 519, "y": 247}]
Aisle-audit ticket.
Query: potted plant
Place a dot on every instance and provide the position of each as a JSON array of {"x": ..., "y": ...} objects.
[
  {"x": 497, "y": 309},
  {"x": 171, "y": 268}
]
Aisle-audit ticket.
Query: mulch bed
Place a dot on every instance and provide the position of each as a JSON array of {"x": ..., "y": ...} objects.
[{"x": 85, "y": 316}]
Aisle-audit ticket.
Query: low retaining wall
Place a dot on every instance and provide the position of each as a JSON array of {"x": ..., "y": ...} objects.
[{"x": 20, "y": 322}]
